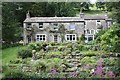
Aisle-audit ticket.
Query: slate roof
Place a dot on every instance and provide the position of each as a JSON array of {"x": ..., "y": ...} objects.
[{"x": 66, "y": 19}]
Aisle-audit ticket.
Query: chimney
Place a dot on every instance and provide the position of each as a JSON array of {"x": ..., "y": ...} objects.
[
  {"x": 28, "y": 15},
  {"x": 81, "y": 14}
]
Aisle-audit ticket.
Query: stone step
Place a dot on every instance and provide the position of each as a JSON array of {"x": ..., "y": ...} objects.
[
  {"x": 73, "y": 69},
  {"x": 74, "y": 64},
  {"x": 72, "y": 60}
]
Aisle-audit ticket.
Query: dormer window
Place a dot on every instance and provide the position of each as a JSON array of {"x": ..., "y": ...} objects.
[
  {"x": 40, "y": 25},
  {"x": 72, "y": 26},
  {"x": 98, "y": 23}
]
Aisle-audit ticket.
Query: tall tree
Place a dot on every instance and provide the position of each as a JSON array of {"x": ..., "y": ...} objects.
[
  {"x": 114, "y": 8},
  {"x": 10, "y": 29},
  {"x": 100, "y": 5}
]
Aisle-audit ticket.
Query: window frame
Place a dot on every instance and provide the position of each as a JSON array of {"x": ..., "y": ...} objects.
[
  {"x": 40, "y": 25},
  {"x": 40, "y": 37},
  {"x": 70, "y": 26},
  {"x": 98, "y": 22},
  {"x": 68, "y": 37},
  {"x": 91, "y": 31},
  {"x": 28, "y": 25}
]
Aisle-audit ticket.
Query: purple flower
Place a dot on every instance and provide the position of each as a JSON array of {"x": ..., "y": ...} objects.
[
  {"x": 73, "y": 73},
  {"x": 99, "y": 71},
  {"x": 53, "y": 71},
  {"x": 110, "y": 74},
  {"x": 99, "y": 63}
]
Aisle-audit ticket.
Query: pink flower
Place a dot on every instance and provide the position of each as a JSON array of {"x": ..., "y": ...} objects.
[
  {"x": 110, "y": 74},
  {"x": 99, "y": 71},
  {"x": 99, "y": 63},
  {"x": 73, "y": 73},
  {"x": 53, "y": 71}
]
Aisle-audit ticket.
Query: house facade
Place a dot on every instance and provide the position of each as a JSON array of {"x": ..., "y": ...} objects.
[{"x": 68, "y": 29}]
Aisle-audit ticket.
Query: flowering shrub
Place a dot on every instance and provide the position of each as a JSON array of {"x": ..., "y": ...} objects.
[
  {"x": 53, "y": 71},
  {"x": 99, "y": 71},
  {"x": 35, "y": 46},
  {"x": 109, "y": 74}
]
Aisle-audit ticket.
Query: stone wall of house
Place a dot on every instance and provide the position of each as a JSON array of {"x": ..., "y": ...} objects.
[{"x": 80, "y": 28}]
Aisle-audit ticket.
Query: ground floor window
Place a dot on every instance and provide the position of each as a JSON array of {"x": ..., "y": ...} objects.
[
  {"x": 71, "y": 37},
  {"x": 29, "y": 39},
  {"x": 40, "y": 37},
  {"x": 89, "y": 38}
]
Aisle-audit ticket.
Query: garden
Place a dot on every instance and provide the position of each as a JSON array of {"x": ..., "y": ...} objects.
[
  {"x": 98, "y": 59},
  {"x": 63, "y": 60}
]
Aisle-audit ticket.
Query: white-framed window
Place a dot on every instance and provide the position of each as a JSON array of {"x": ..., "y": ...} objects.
[
  {"x": 72, "y": 26},
  {"x": 70, "y": 37},
  {"x": 92, "y": 31},
  {"x": 98, "y": 23},
  {"x": 40, "y": 37},
  {"x": 108, "y": 24},
  {"x": 40, "y": 25},
  {"x": 87, "y": 31}
]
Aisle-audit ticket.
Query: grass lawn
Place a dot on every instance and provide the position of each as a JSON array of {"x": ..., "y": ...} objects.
[{"x": 10, "y": 54}]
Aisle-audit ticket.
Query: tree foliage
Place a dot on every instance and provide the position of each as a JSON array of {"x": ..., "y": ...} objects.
[
  {"x": 114, "y": 8},
  {"x": 11, "y": 28},
  {"x": 100, "y": 5},
  {"x": 15, "y": 13},
  {"x": 111, "y": 38}
]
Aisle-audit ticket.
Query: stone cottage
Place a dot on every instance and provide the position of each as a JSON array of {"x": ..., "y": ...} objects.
[{"x": 68, "y": 29}]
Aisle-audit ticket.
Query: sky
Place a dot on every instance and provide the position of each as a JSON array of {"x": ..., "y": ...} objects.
[{"x": 93, "y": 1}]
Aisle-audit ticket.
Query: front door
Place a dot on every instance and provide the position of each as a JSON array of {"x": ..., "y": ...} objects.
[{"x": 55, "y": 38}]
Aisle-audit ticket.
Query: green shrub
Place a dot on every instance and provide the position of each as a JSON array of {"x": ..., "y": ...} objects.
[
  {"x": 69, "y": 45},
  {"x": 52, "y": 43},
  {"x": 44, "y": 43},
  {"x": 88, "y": 60},
  {"x": 60, "y": 48},
  {"x": 80, "y": 47},
  {"x": 67, "y": 51},
  {"x": 77, "y": 51},
  {"x": 14, "y": 74},
  {"x": 109, "y": 62},
  {"x": 16, "y": 61},
  {"x": 90, "y": 54},
  {"x": 40, "y": 65},
  {"x": 24, "y": 54},
  {"x": 35, "y": 46}
]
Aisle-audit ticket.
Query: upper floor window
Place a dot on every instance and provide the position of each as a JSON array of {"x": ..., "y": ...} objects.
[
  {"x": 72, "y": 26},
  {"x": 92, "y": 31},
  {"x": 98, "y": 22},
  {"x": 71, "y": 37},
  {"x": 55, "y": 24},
  {"x": 28, "y": 25},
  {"x": 88, "y": 31},
  {"x": 40, "y": 25}
]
